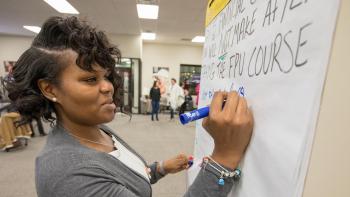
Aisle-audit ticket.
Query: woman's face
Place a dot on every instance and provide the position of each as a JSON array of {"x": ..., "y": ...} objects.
[{"x": 85, "y": 97}]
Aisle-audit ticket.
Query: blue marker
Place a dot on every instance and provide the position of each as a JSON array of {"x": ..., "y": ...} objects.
[
  {"x": 201, "y": 112},
  {"x": 194, "y": 115}
]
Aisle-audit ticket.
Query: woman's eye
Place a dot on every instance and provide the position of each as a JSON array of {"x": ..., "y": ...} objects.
[{"x": 91, "y": 80}]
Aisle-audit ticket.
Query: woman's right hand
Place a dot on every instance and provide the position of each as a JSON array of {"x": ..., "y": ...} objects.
[{"x": 230, "y": 126}]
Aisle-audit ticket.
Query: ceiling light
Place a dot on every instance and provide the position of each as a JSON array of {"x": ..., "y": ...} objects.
[
  {"x": 148, "y": 36},
  {"x": 200, "y": 39},
  {"x": 34, "y": 29},
  {"x": 147, "y": 11},
  {"x": 62, "y": 6}
]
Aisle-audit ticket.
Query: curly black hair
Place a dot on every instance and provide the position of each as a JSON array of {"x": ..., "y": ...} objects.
[{"x": 45, "y": 59}]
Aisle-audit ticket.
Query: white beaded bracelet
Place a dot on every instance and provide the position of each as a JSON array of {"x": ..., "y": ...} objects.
[
  {"x": 223, "y": 173},
  {"x": 161, "y": 168}
]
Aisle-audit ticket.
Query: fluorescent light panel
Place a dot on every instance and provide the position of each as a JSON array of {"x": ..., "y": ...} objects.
[
  {"x": 200, "y": 39},
  {"x": 148, "y": 36},
  {"x": 62, "y": 6},
  {"x": 147, "y": 11},
  {"x": 34, "y": 29}
]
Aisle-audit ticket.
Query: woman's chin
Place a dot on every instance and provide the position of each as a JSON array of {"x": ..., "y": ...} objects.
[
  {"x": 111, "y": 117},
  {"x": 107, "y": 118}
]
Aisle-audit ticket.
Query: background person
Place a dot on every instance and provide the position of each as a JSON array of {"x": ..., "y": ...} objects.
[
  {"x": 176, "y": 97},
  {"x": 188, "y": 104},
  {"x": 198, "y": 87},
  {"x": 155, "y": 97}
]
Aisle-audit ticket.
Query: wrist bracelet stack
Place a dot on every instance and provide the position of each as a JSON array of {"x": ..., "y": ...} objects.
[{"x": 222, "y": 172}]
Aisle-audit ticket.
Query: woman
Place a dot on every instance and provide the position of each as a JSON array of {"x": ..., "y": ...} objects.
[
  {"x": 67, "y": 77},
  {"x": 198, "y": 86},
  {"x": 155, "y": 97}
]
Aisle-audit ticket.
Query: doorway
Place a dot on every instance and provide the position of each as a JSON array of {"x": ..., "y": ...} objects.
[
  {"x": 129, "y": 70},
  {"x": 190, "y": 76}
]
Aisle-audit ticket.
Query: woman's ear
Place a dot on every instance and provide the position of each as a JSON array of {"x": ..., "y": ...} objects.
[{"x": 47, "y": 89}]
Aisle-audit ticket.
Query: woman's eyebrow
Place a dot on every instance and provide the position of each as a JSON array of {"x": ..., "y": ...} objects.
[{"x": 102, "y": 71}]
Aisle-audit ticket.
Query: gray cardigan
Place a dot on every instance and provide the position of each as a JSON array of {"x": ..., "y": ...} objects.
[{"x": 66, "y": 168}]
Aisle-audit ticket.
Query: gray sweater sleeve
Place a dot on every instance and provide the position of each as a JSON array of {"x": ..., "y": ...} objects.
[{"x": 206, "y": 184}]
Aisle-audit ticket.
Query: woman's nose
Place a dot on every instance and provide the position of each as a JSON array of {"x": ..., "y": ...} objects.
[{"x": 106, "y": 87}]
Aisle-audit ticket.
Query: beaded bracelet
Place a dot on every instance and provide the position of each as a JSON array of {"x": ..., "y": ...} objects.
[
  {"x": 223, "y": 173},
  {"x": 161, "y": 168}
]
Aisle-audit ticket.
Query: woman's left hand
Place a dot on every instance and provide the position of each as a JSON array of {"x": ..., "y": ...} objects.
[{"x": 176, "y": 164}]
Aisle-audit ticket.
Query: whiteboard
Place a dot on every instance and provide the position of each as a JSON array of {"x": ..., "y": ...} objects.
[{"x": 277, "y": 52}]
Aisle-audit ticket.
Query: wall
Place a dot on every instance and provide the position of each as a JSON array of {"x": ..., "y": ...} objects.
[
  {"x": 11, "y": 47},
  {"x": 130, "y": 46},
  {"x": 167, "y": 55},
  {"x": 329, "y": 173}
]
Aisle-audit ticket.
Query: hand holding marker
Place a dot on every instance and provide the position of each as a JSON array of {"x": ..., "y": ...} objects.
[{"x": 201, "y": 112}]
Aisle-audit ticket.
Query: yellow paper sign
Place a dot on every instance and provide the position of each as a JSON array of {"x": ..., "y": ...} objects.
[{"x": 214, "y": 8}]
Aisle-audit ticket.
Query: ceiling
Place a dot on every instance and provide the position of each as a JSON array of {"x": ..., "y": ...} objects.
[{"x": 177, "y": 20}]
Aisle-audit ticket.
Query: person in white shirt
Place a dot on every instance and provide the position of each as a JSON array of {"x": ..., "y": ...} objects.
[{"x": 176, "y": 97}]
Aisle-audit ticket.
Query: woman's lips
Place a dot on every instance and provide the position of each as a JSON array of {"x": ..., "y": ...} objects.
[{"x": 110, "y": 106}]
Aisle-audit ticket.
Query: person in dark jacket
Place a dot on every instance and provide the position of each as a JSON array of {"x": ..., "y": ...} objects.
[
  {"x": 155, "y": 96},
  {"x": 187, "y": 104}
]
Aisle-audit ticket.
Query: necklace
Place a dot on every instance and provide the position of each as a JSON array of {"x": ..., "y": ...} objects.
[{"x": 87, "y": 140}]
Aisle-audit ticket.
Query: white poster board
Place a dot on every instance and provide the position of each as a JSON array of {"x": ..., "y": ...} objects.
[{"x": 277, "y": 51}]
